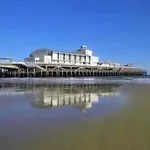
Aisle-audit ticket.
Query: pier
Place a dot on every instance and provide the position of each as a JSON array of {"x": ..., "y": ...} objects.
[
  {"x": 22, "y": 70},
  {"x": 50, "y": 63}
]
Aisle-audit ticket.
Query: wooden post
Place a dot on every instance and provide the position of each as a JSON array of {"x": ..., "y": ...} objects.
[
  {"x": 75, "y": 74},
  {"x": 27, "y": 72},
  {"x": 93, "y": 72},
  {"x": 71, "y": 71},
  {"x": 34, "y": 72},
  {"x": 79, "y": 73},
  {"x": 41, "y": 73},
  {"x": 52, "y": 73},
  {"x": 18, "y": 72}
]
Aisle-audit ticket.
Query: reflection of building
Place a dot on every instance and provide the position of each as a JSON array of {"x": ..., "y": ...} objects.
[
  {"x": 58, "y": 99},
  {"x": 82, "y": 98},
  {"x": 78, "y": 96}
]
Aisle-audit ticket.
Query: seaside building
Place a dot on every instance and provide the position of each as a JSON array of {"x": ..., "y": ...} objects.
[
  {"x": 80, "y": 63},
  {"x": 82, "y": 56}
]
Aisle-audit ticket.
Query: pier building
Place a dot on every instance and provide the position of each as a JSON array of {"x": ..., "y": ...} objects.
[{"x": 82, "y": 56}]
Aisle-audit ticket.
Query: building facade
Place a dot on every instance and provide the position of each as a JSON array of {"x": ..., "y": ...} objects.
[{"x": 82, "y": 56}]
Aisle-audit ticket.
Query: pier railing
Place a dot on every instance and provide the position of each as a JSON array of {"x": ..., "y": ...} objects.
[
  {"x": 40, "y": 69},
  {"x": 38, "y": 64}
]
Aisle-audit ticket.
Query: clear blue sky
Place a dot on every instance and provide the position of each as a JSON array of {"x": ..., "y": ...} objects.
[{"x": 117, "y": 30}]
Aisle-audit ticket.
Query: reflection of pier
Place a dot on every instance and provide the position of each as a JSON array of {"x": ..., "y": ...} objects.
[
  {"x": 81, "y": 97},
  {"x": 48, "y": 96}
]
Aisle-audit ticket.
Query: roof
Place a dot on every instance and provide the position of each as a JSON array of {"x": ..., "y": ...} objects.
[
  {"x": 41, "y": 51},
  {"x": 47, "y": 51}
]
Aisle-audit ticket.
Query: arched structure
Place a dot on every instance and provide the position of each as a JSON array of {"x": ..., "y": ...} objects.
[{"x": 41, "y": 52}]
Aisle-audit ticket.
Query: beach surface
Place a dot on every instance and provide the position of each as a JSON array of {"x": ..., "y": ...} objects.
[{"x": 115, "y": 122}]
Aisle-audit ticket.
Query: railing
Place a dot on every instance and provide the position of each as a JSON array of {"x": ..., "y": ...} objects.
[
  {"x": 5, "y": 60},
  {"x": 37, "y": 64},
  {"x": 7, "y": 63},
  {"x": 103, "y": 66}
]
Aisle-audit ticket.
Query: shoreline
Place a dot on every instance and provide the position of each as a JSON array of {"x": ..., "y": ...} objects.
[{"x": 78, "y": 80}]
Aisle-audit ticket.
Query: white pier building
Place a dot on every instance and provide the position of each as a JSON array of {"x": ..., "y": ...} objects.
[{"x": 82, "y": 56}]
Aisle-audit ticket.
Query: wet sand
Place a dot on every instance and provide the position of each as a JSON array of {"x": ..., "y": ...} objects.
[{"x": 126, "y": 128}]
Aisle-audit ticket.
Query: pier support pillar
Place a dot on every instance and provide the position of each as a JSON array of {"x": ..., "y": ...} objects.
[
  {"x": 71, "y": 71},
  {"x": 34, "y": 72},
  {"x": 41, "y": 73},
  {"x": 27, "y": 72}
]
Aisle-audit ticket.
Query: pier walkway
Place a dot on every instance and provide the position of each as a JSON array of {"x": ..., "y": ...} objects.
[{"x": 40, "y": 69}]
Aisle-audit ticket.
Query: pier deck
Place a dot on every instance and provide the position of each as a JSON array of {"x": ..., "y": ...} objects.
[{"x": 21, "y": 69}]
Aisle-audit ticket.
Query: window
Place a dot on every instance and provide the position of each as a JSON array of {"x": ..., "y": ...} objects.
[
  {"x": 79, "y": 58},
  {"x": 89, "y": 58},
  {"x": 69, "y": 57},
  {"x": 64, "y": 57},
  {"x": 84, "y": 58},
  {"x": 57, "y": 56},
  {"x": 75, "y": 57}
]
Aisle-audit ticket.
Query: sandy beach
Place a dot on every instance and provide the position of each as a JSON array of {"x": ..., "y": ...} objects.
[{"x": 125, "y": 127}]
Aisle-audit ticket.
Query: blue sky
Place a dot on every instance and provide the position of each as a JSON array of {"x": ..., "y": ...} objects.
[{"x": 117, "y": 30}]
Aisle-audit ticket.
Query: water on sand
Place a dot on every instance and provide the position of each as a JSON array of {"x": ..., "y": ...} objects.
[{"x": 76, "y": 117}]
